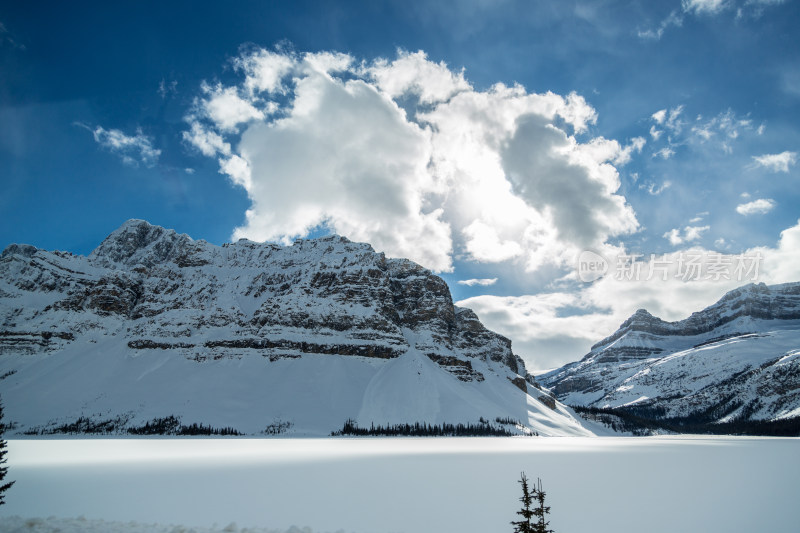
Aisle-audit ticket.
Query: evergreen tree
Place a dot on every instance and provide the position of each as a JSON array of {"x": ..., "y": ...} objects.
[
  {"x": 533, "y": 516},
  {"x": 541, "y": 510},
  {"x": 3, "y": 469},
  {"x": 527, "y": 512}
]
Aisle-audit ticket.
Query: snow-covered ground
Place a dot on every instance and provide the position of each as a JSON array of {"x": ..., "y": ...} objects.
[
  {"x": 407, "y": 485},
  {"x": 52, "y": 524}
]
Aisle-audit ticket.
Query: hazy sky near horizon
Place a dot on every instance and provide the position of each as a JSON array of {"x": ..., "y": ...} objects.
[{"x": 493, "y": 142}]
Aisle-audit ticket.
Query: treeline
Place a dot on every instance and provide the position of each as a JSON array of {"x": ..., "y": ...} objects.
[
  {"x": 646, "y": 420},
  {"x": 423, "y": 429},
  {"x": 171, "y": 425},
  {"x": 81, "y": 426}
]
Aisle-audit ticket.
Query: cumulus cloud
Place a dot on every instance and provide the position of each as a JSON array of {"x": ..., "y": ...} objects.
[
  {"x": 483, "y": 282},
  {"x": 484, "y": 245},
  {"x": 414, "y": 73},
  {"x": 407, "y": 155},
  {"x": 553, "y": 328},
  {"x": 133, "y": 149},
  {"x": 776, "y": 162},
  {"x": 756, "y": 207},
  {"x": 208, "y": 142},
  {"x": 226, "y": 108}
]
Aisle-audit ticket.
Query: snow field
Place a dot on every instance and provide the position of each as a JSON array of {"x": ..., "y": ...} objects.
[{"x": 411, "y": 485}]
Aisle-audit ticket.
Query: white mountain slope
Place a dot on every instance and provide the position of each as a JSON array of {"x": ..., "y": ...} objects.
[
  {"x": 737, "y": 361},
  {"x": 154, "y": 327}
]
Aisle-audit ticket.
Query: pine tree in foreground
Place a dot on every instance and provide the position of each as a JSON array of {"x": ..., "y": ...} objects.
[
  {"x": 533, "y": 517},
  {"x": 524, "y": 525},
  {"x": 3, "y": 469},
  {"x": 541, "y": 510}
]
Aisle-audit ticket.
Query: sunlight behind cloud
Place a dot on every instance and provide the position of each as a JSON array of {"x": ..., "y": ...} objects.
[{"x": 407, "y": 155}]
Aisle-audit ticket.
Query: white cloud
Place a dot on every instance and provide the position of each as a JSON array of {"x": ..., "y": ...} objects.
[
  {"x": 208, "y": 142},
  {"x": 654, "y": 189},
  {"x": 674, "y": 236},
  {"x": 724, "y": 128},
  {"x": 484, "y": 245},
  {"x": 665, "y": 153},
  {"x": 710, "y": 7},
  {"x": 623, "y": 155},
  {"x": 720, "y": 131},
  {"x": 693, "y": 233},
  {"x": 541, "y": 333},
  {"x": 238, "y": 169},
  {"x": 655, "y": 133},
  {"x": 548, "y": 332},
  {"x": 226, "y": 108},
  {"x": 495, "y": 174},
  {"x": 753, "y": 8},
  {"x": 265, "y": 70},
  {"x": 776, "y": 162},
  {"x": 133, "y": 149},
  {"x": 690, "y": 234},
  {"x": 673, "y": 19},
  {"x": 756, "y": 207},
  {"x": 483, "y": 282},
  {"x": 415, "y": 74},
  {"x": 674, "y": 123}
]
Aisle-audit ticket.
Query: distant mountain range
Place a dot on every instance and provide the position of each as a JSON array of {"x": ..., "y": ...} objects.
[
  {"x": 732, "y": 368},
  {"x": 156, "y": 333}
]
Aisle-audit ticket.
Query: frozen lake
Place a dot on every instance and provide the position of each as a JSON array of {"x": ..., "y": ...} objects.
[{"x": 443, "y": 485}]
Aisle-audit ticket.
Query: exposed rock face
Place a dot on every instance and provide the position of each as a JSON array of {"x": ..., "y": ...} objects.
[
  {"x": 736, "y": 361},
  {"x": 166, "y": 287},
  {"x": 154, "y": 294}
]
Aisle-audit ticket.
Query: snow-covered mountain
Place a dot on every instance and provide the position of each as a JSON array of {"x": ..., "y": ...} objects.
[
  {"x": 154, "y": 331},
  {"x": 735, "y": 366}
]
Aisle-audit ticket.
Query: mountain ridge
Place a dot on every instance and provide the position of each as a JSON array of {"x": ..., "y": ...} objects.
[
  {"x": 318, "y": 322},
  {"x": 734, "y": 366}
]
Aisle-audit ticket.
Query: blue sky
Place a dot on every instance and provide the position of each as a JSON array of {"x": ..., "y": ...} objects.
[{"x": 485, "y": 140}]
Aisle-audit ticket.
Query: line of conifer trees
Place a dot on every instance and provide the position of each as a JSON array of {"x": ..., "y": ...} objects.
[{"x": 423, "y": 429}]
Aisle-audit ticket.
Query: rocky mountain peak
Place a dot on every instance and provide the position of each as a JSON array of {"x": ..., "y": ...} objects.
[
  {"x": 326, "y": 328},
  {"x": 752, "y": 301},
  {"x": 24, "y": 250},
  {"x": 139, "y": 242},
  {"x": 734, "y": 363}
]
